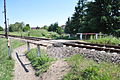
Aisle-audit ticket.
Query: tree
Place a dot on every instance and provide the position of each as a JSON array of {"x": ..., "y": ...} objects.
[
  {"x": 18, "y": 26},
  {"x": 59, "y": 30},
  {"x": 26, "y": 28},
  {"x": 95, "y": 16},
  {"x": 53, "y": 27},
  {"x": 68, "y": 26},
  {"x": 1, "y": 28},
  {"x": 103, "y": 16},
  {"x": 77, "y": 19},
  {"x": 45, "y": 27}
]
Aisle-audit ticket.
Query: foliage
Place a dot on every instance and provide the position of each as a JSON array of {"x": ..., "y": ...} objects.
[
  {"x": 53, "y": 27},
  {"x": 1, "y": 29},
  {"x": 40, "y": 64},
  {"x": 68, "y": 26},
  {"x": 18, "y": 26},
  {"x": 94, "y": 17},
  {"x": 38, "y": 33},
  {"x": 45, "y": 27},
  {"x": 106, "y": 40},
  {"x": 117, "y": 33},
  {"x": 26, "y": 28},
  {"x": 84, "y": 69},
  {"x": 77, "y": 19},
  {"x": 6, "y": 64},
  {"x": 59, "y": 30}
]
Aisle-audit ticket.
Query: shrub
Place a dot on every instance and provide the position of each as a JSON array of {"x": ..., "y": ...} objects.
[
  {"x": 1, "y": 29},
  {"x": 40, "y": 64}
]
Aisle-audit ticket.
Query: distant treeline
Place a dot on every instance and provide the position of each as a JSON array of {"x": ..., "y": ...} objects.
[
  {"x": 21, "y": 27},
  {"x": 94, "y": 17}
]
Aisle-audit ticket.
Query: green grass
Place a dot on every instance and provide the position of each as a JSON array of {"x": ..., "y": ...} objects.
[
  {"x": 40, "y": 33},
  {"x": 37, "y": 33},
  {"x": 84, "y": 69},
  {"x": 106, "y": 40},
  {"x": 6, "y": 64},
  {"x": 40, "y": 64}
]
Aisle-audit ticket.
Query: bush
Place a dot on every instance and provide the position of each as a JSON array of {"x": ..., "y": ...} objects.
[
  {"x": 1, "y": 29},
  {"x": 117, "y": 33},
  {"x": 40, "y": 64},
  {"x": 26, "y": 28}
]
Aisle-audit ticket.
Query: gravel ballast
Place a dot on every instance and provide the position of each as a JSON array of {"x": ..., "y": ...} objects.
[{"x": 98, "y": 56}]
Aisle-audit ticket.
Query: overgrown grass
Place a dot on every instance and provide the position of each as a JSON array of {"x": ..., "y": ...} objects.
[
  {"x": 6, "y": 64},
  {"x": 40, "y": 64},
  {"x": 106, "y": 40},
  {"x": 84, "y": 69},
  {"x": 38, "y": 33}
]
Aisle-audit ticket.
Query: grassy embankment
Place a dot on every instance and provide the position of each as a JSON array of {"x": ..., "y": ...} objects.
[
  {"x": 106, "y": 40},
  {"x": 40, "y": 64},
  {"x": 6, "y": 65},
  {"x": 84, "y": 69},
  {"x": 39, "y": 33}
]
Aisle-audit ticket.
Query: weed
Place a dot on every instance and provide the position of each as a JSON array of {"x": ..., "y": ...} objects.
[
  {"x": 40, "y": 64},
  {"x": 87, "y": 69}
]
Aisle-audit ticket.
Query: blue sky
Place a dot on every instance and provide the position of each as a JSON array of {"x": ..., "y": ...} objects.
[{"x": 38, "y": 12}]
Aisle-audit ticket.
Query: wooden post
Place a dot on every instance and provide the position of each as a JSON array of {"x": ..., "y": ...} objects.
[
  {"x": 28, "y": 46},
  {"x": 9, "y": 50},
  {"x": 38, "y": 46}
]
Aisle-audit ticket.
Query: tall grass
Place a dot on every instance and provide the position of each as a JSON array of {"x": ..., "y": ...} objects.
[
  {"x": 6, "y": 64},
  {"x": 106, "y": 40},
  {"x": 84, "y": 69}
]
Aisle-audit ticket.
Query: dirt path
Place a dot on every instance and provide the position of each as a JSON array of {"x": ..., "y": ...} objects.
[
  {"x": 56, "y": 71},
  {"x": 19, "y": 72}
]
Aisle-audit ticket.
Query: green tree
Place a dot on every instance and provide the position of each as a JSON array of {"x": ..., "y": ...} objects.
[
  {"x": 68, "y": 26},
  {"x": 1, "y": 29},
  {"x": 77, "y": 19},
  {"x": 45, "y": 27},
  {"x": 103, "y": 16},
  {"x": 59, "y": 30},
  {"x": 26, "y": 28},
  {"x": 18, "y": 26},
  {"x": 53, "y": 27}
]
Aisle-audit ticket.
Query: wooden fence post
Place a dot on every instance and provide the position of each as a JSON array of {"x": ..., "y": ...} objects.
[
  {"x": 38, "y": 46},
  {"x": 28, "y": 46}
]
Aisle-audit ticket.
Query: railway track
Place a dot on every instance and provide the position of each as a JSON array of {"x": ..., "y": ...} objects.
[{"x": 99, "y": 47}]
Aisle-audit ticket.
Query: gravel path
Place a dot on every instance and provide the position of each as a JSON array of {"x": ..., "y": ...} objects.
[{"x": 19, "y": 72}]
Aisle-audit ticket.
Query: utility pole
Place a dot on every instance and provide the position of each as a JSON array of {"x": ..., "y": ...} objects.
[
  {"x": 6, "y": 34},
  {"x": 6, "y": 30},
  {"x": 8, "y": 26}
]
